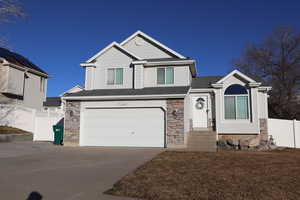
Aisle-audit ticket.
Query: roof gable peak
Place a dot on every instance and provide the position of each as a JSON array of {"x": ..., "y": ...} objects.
[
  {"x": 113, "y": 44},
  {"x": 147, "y": 37}
]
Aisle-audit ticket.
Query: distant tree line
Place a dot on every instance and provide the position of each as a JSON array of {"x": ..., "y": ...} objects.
[{"x": 276, "y": 61}]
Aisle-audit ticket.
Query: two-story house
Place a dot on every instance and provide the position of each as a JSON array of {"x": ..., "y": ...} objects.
[
  {"x": 21, "y": 81},
  {"x": 141, "y": 93}
]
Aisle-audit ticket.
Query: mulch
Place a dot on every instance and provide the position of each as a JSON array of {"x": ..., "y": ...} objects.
[{"x": 225, "y": 175}]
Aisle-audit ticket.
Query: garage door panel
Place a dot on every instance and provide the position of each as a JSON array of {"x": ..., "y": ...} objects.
[{"x": 142, "y": 127}]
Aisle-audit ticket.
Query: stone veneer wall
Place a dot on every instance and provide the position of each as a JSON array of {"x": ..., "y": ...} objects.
[
  {"x": 175, "y": 122},
  {"x": 255, "y": 138},
  {"x": 72, "y": 122}
]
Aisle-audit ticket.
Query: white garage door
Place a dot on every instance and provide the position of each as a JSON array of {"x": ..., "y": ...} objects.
[{"x": 132, "y": 127}]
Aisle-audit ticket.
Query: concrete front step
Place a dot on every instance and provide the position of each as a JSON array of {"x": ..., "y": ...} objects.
[{"x": 202, "y": 141}]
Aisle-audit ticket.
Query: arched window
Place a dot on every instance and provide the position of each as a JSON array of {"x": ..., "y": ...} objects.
[{"x": 236, "y": 102}]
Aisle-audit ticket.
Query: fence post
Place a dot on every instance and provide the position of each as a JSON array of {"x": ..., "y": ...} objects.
[{"x": 294, "y": 131}]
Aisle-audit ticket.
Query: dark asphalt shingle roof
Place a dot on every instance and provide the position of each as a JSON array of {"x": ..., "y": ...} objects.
[
  {"x": 121, "y": 92},
  {"x": 205, "y": 81},
  {"x": 18, "y": 59},
  {"x": 52, "y": 102}
]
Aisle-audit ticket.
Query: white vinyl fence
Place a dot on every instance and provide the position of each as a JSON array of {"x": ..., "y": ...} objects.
[
  {"x": 44, "y": 122},
  {"x": 37, "y": 122},
  {"x": 286, "y": 133}
]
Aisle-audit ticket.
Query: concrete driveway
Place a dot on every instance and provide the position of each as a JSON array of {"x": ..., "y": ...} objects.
[{"x": 65, "y": 173}]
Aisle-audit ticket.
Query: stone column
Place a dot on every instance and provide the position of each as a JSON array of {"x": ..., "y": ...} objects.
[
  {"x": 72, "y": 123},
  {"x": 175, "y": 123}
]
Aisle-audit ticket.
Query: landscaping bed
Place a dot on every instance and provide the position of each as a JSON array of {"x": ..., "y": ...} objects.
[
  {"x": 11, "y": 134},
  {"x": 224, "y": 175},
  {"x": 11, "y": 130}
]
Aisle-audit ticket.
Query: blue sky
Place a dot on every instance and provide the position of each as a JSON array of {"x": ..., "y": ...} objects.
[{"x": 59, "y": 35}]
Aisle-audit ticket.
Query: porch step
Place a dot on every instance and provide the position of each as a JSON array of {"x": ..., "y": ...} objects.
[{"x": 202, "y": 141}]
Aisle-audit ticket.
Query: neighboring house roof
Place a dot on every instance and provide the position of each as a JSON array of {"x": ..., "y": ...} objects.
[
  {"x": 205, "y": 81},
  {"x": 113, "y": 44},
  {"x": 153, "y": 41},
  {"x": 76, "y": 88},
  {"x": 17, "y": 59},
  {"x": 52, "y": 102},
  {"x": 120, "y": 92}
]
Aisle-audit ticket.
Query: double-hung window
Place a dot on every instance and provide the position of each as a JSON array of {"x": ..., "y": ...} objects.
[
  {"x": 165, "y": 75},
  {"x": 115, "y": 76},
  {"x": 236, "y": 100}
]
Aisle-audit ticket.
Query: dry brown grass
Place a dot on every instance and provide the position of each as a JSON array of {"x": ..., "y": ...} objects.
[
  {"x": 226, "y": 175},
  {"x": 11, "y": 130}
]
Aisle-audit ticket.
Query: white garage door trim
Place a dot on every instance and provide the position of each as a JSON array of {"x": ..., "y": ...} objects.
[{"x": 82, "y": 121}]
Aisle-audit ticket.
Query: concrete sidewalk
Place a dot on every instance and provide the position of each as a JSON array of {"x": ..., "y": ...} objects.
[{"x": 65, "y": 173}]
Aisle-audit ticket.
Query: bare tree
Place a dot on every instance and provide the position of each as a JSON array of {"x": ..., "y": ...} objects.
[
  {"x": 277, "y": 62},
  {"x": 10, "y": 11}
]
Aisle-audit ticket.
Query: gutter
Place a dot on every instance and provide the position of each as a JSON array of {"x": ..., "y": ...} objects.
[{"x": 170, "y": 96}]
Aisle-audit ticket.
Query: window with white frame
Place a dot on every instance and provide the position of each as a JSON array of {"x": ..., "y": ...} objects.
[
  {"x": 165, "y": 75},
  {"x": 236, "y": 100},
  {"x": 115, "y": 76}
]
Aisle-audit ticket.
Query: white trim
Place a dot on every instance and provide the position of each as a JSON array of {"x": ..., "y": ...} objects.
[
  {"x": 195, "y": 90},
  {"x": 238, "y": 73},
  {"x": 217, "y": 85},
  {"x": 181, "y": 62},
  {"x": 126, "y": 97},
  {"x": 154, "y": 41},
  {"x": 254, "y": 84},
  {"x": 87, "y": 65},
  {"x": 139, "y": 62},
  {"x": 264, "y": 88},
  {"x": 107, "y": 48}
]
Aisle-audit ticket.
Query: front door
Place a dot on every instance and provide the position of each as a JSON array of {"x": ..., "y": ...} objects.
[{"x": 200, "y": 111}]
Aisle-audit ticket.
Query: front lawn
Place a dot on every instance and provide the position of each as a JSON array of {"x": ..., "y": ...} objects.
[
  {"x": 226, "y": 175},
  {"x": 11, "y": 130}
]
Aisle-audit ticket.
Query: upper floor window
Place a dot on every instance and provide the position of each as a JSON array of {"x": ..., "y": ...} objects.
[
  {"x": 115, "y": 76},
  {"x": 236, "y": 102},
  {"x": 165, "y": 75}
]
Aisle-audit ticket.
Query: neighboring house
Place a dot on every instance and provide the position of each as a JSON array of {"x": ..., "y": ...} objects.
[
  {"x": 55, "y": 103},
  {"x": 141, "y": 93},
  {"x": 21, "y": 81}
]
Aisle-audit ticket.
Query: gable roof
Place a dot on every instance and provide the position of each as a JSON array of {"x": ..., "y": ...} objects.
[
  {"x": 71, "y": 90},
  {"x": 129, "y": 92},
  {"x": 152, "y": 40},
  {"x": 204, "y": 81},
  {"x": 247, "y": 78},
  {"x": 17, "y": 59},
  {"x": 113, "y": 44}
]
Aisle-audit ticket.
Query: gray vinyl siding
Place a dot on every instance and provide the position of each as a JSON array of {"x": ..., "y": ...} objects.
[
  {"x": 33, "y": 96},
  {"x": 113, "y": 58},
  {"x": 15, "y": 81},
  {"x": 144, "y": 49}
]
